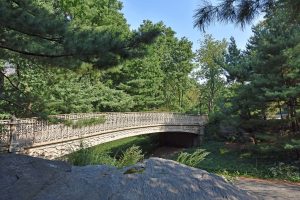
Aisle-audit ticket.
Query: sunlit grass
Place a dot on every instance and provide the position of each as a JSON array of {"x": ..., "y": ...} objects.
[{"x": 233, "y": 163}]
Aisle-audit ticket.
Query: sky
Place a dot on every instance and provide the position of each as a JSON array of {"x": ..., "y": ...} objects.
[{"x": 178, "y": 14}]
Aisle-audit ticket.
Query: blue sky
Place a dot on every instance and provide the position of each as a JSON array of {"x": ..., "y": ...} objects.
[{"x": 178, "y": 14}]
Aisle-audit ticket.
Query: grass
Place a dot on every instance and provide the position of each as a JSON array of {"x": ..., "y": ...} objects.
[
  {"x": 120, "y": 152},
  {"x": 229, "y": 160},
  {"x": 223, "y": 160}
]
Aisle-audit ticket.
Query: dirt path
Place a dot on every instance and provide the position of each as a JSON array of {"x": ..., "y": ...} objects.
[{"x": 267, "y": 190}]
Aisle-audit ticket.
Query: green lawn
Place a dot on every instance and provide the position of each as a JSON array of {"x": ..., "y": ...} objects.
[
  {"x": 250, "y": 162},
  {"x": 260, "y": 161}
]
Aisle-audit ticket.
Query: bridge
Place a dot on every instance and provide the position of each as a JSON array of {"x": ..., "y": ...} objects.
[{"x": 68, "y": 133}]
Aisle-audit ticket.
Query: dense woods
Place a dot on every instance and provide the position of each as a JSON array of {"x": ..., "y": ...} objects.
[{"x": 74, "y": 57}]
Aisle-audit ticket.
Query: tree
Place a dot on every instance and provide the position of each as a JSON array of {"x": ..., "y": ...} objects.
[
  {"x": 210, "y": 59},
  {"x": 268, "y": 70},
  {"x": 58, "y": 33},
  {"x": 160, "y": 80},
  {"x": 142, "y": 79},
  {"x": 67, "y": 34},
  {"x": 39, "y": 91},
  {"x": 177, "y": 65},
  {"x": 275, "y": 69},
  {"x": 233, "y": 60},
  {"x": 240, "y": 11}
]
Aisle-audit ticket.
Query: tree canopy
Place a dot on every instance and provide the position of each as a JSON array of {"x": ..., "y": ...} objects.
[{"x": 67, "y": 31}]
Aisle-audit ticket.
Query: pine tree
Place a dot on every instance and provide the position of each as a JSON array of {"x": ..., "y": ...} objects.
[
  {"x": 241, "y": 11},
  {"x": 68, "y": 32}
]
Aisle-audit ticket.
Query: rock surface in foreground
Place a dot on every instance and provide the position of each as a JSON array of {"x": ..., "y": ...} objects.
[{"x": 28, "y": 178}]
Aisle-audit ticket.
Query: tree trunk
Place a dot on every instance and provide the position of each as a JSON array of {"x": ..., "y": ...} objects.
[
  {"x": 18, "y": 71},
  {"x": 280, "y": 110},
  {"x": 263, "y": 112},
  {"x": 1, "y": 84},
  {"x": 293, "y": 115},
  {"x": 209, "y": 106}
]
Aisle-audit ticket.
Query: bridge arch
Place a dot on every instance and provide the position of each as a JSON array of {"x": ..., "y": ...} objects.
[{"x": 42, "y": 139}]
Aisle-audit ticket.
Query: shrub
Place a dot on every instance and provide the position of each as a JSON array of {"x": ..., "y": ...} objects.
[
  {"x": 285, "y": 171},
  {"x": 86, "y": 157},
  {"x": 264, "y": 125},
  {"x": 80, "y": 123},
  {"x": 130, "y": 157},
  {"x": 83, "y": 157},
  {"x": 223, "y": 127},
  {"x": 193, "y": 159},
  {"x": 292, "y": 145}
]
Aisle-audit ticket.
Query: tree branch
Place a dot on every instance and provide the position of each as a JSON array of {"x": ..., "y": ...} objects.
[
  {"x": 58, "y": 40},
  {"x": 36, "y": 54},
  {"x": 11, "y": 83}
]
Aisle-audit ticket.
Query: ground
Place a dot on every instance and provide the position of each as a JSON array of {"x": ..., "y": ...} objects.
[
  {"x": 267, "y": 190},
  {"x": 220, "y": 157},
  {"x": 263, "y": 189}
]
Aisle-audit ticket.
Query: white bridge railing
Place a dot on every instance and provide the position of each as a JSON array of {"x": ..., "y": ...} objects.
[{"x": 33, "y": 131}]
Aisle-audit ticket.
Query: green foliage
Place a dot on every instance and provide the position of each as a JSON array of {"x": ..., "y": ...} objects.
[
  {"x": 130, "y": 157},
  {"x": 41, "y": 92},
  {"x": 54, "y": 120},
  {"x": 262, "y": 83},
  {"x": 241, "y": 11},
  {"x": 266, "y": 73},
  {"x": 53, "y": 55},
  {"x": 222, "y": 127},
  {"x": 68, "y": 32},
  {"x": 285, "y": 171},
  {"x": 85, "y": 157},
  {"x": 254, "y": 125},
  {"x": 231, "y": 161},
  {"x": 266, "y": 137},
  {"x": 84, "y": 122},
  {"x": 236, "y": 70},
  {"x": 192, "y": 159},
  {"x": 210, "y": 59},
  {"x": 294, "y": 144},
  {"x": 159, "y": 80},
  {"x": 129, "y": 149}
]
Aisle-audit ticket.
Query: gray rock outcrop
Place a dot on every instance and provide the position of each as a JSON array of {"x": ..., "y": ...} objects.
[{"x": 28, "y": 178}]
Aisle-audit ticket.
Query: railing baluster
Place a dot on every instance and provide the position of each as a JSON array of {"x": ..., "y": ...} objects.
[{"x": 35, "y": 131}]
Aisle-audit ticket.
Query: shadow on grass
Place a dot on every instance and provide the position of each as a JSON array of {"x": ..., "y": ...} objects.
[
  {"x": 147, "y": 144},
  {"x": 108, "y": 153}
]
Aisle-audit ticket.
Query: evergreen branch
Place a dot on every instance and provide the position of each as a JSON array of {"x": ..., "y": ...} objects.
[
  {"x": 35, "y": 54},
  {"x": 19, "y": 106},
  {"x": 11, "y": 83},
  {"x": 58, "y": 40},
  {"x": 18, "y": 89},
  {"x": 237, "y": 11}
]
